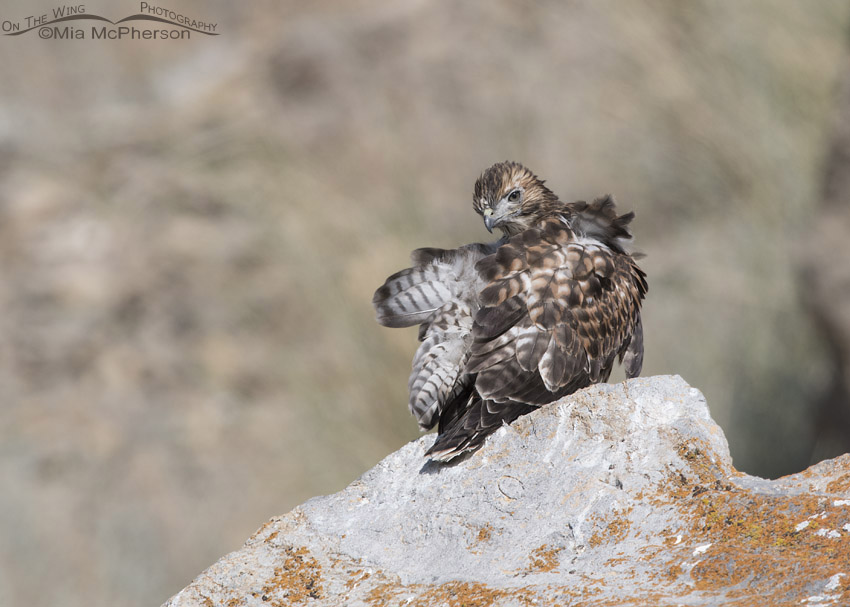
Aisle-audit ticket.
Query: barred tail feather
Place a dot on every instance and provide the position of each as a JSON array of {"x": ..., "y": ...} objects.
[
  {"x": 409, "y": 297},
  {"x": 436, "y": 376}
]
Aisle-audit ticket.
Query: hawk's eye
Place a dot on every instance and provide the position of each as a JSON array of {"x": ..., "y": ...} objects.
[{"x": 513, "y": 196}]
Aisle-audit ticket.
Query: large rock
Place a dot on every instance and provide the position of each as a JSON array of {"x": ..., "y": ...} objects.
[{"x": 617, "y": 495}]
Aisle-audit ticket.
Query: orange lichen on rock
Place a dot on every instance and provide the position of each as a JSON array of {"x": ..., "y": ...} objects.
[
  {"x": 700, "y": 473},
  {"x": 450, "y": 594},
  {"x": 615, "y": 528},
  {"x": 299, "y": 579},
  {"x": 355, "y": 578},
  {"x": 544, "y": 559},
  {"x": 840, "y": 485},
  {"x": 756, "y": 538},
  {"x": 485, "y": 533},
  {"x": 481, "y": 535},
  {"x": 749, "y": 540}
]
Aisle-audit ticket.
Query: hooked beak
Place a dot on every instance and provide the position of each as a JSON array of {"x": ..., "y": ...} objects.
[{"x": 489, "y": 221}]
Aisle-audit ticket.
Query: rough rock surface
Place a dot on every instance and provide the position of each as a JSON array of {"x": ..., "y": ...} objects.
[{"x": 617, "y": 495}]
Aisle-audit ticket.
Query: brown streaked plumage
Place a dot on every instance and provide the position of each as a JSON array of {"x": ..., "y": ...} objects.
[{"x": 513, "y": 325}]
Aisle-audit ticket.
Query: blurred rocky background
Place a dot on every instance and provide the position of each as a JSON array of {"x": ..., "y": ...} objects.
[{"x": 191, "y": 232}]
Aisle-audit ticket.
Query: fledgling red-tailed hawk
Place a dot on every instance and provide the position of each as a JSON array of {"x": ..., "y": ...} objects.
[{"x": 512, "y": 325}]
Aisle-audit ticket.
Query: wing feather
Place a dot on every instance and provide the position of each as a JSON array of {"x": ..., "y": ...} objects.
[
  {"x": 574, "y": 304},
  {"x": 440, "y": 293},
  {"x": 438, "y": 374}
]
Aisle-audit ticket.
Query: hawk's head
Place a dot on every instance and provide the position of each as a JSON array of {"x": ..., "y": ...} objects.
[{"x": 510, "y": 197}]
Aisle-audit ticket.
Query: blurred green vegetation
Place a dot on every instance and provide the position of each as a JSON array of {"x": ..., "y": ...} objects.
[{"x": 190, "y": 235}]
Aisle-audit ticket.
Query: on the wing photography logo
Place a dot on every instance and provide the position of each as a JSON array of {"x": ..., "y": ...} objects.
[{"x": 72, "y": 22}]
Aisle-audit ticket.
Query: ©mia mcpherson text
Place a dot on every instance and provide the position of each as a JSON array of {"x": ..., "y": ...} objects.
[{"x": 65, "y": 23}]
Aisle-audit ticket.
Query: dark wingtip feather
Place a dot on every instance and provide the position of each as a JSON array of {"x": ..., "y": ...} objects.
[
  {"x": 599, "y": 220},
  {"x": 633, "y": 359},
  {"x": 470, "y": 431},
  {"x": 381, "y": 294},
  {"x": 420, "y": 257},
  {"x": 446, "y": 450}
]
